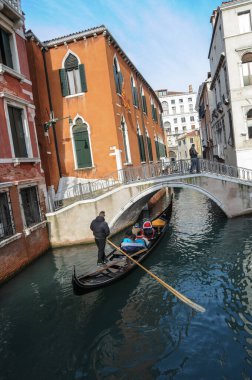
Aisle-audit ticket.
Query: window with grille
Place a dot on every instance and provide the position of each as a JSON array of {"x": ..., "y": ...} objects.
[
  {"x": 6, "y": 218},
  {"x": 30, "y": 205}
]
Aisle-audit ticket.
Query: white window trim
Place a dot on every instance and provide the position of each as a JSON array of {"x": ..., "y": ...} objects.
[
  {"x": 13, "y": 45},
  {"x": 66, "y": 55},
  {"x": 73, "y": 143},
  {"x": 12, "y": 103}
]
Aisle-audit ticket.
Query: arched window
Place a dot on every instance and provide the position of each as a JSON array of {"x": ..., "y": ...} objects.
[
  {"x": 141, "y": 145},
  {"x": 118, "y": 76},
  {"x": 247, "y": 69},
  {"x": 165, "y": 108},
  {"x": 134, "y": 92},
  {"x": 72, "y": 76},
  {"x": 81, "y": 144},
  {"x": 126, "y": 141},
  {"x": 143, "y": 98},
  {"x": 249, "y": 123}
]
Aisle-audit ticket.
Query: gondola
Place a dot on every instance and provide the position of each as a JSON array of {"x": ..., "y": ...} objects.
[{"x": 118, "y": 265}]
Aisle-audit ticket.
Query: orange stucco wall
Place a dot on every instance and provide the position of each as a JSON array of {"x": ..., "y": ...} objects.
[{"x": 100, "y": 107}]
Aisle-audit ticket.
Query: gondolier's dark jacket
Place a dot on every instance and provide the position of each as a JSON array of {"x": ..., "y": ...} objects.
[{"x": 100, "y": 228}]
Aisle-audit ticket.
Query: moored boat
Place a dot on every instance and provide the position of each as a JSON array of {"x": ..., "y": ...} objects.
[{"x": 119, "y": 265}]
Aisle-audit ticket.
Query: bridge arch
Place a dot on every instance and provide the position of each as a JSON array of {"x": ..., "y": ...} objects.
[{"x": 139, "y": 200}]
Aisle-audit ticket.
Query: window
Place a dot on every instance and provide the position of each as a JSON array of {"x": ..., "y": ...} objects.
[
  {"x": 144, "y": 105},
  {"x": 191, "y": 140},
  {"x": 244, "y": 22},
  {"x": 179, "y": 143},
  {"x": 193, "y": 126},
  {"x": 5, "y": 49},
  {"x": 6, "y": 219},
  {"x": 168, "y": 130},
  {"x": 125, "y": 141},
  {"x": 184, "y": 142},
  {"x": 249, "y": 123},
  {"x": 247, "y": 69},
  {"x": 165, "y": 105},
  {"x": 189, "y": 99},
  {"x": 134, "y": 92},
  {"x": 30, "y": 205},
  {"x": 184, "y": 128},
  {"x": 173, "y": 101},
  {"x": 141, "y": 145},
  {"x": 190, "y": 107},
  {"x": 175, "y": 120},
  {"x": 180, "y": 100},
  {"x": 183, "y": 119},
  {"x": 72, "y": 76},
  {"x": 150, "y": 154},
  {"x": 117, "y": 76},
  {"x": 176, "y": 130},
  {"x": 17, "y": 131},
  {"x": 191, "y": 118},
  {"x": 81, "y": 145},
  {"x": 162, "y": 93},
  {"x": 173, "y": 110},
  {"x": 181, "y": 109},
  {"x": 153, "y": 110}
]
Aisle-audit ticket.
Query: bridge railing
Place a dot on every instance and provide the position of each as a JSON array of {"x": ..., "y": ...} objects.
[{"x": 93, "y": 189}]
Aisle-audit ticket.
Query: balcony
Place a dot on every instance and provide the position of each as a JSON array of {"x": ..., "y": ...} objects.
[{"x": 12, "y": 10}]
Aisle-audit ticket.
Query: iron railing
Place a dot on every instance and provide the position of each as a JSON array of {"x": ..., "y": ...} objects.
[{"x": 128, "y": 175}]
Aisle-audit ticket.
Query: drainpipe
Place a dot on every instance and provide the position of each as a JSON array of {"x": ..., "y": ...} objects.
[{"x": 52, "y": 114}]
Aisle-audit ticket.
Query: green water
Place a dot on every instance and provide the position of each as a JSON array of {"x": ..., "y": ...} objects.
[{"x": 136, "y": 329}]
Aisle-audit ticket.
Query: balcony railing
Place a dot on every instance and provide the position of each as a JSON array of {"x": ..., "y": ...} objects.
[
  {"x": 141, "y": 173},
  {"x": 14, "y": 5}
]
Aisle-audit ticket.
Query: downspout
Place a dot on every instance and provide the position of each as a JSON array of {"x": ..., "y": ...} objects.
[{"x": 52, "y": 114}]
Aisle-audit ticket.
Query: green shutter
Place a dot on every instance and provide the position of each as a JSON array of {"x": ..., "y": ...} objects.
[
  {"x": 135, "y": 97},
  {"x": 82, "y": 149},
  {"x": 120, "y": 81},
  {"x": 157, "y": 150},
  {"x": 149, "y": 149},
  {"x": 141, "y": 148},
  {"x": 64, "y": 82},
  {"x": 83, "y": 78},
  {"x": 144, "y": 104},
  {"x": 17, "y": 132}
]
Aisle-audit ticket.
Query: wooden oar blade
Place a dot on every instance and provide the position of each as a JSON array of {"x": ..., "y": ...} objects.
[{"x": 171, "y": 289}]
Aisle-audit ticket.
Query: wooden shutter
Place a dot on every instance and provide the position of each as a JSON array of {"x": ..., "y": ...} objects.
[
  {"x": 141, "y": 148},
  {"x": 149, "y": 149},
  {"x": 82, "y": 149},
  {"x": 64, "y": 82},
  {"x": 120, "y": 81},
  {"x": 157, "y": 149},
  {"x": 7, "y": 50},
  {"x": 83, "y": 77},
  {"x": 17, "y": 132}
]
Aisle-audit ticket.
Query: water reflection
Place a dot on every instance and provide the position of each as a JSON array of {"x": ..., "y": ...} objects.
[{"x": 136, "y": 329}]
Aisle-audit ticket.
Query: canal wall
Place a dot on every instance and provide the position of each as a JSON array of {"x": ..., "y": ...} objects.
[{"x": 71, "y": 225}]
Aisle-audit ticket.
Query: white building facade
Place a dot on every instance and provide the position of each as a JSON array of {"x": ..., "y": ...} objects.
[
  {"x": 179, "y": 116},
  {"x": 230, "y": 56}
]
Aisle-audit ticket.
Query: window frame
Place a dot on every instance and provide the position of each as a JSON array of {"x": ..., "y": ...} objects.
[
  {"x": 23, "y": 213},
  {"x": 14, "y": 51},
  {"x": 15, "y": 104},
  {"x": 10, "y": 216}
]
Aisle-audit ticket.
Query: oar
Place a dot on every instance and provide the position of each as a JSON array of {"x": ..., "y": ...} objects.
[{"x": 172, "y": 290}]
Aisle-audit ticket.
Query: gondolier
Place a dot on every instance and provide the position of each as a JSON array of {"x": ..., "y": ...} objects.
[{"x": 100, "y": 230}]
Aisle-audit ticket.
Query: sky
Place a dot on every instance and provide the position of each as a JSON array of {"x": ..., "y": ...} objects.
[{"x": 167, "y": 40}]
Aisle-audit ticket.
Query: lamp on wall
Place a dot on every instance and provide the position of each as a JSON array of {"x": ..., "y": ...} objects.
[{"x": 52, "y": 123}]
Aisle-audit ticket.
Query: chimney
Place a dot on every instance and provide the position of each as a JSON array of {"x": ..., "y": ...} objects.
[{"x": 190, "y": 88}]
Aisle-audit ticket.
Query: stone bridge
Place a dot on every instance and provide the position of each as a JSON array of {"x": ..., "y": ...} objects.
[{"x": 230, "y": 188}]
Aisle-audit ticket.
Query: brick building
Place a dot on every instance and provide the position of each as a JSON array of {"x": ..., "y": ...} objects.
[
  {"x": 23, "y": 232},
  {"x": 95, "y": 112}
]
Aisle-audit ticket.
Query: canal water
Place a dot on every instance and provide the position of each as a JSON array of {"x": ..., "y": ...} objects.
[{"x": 136, "y": 329}]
